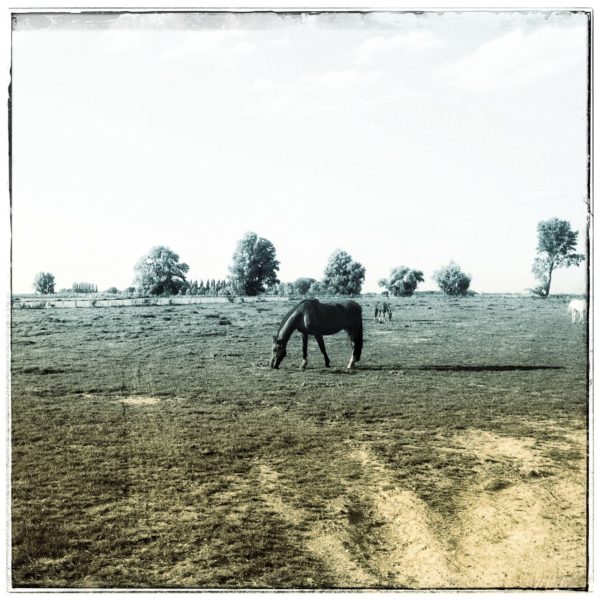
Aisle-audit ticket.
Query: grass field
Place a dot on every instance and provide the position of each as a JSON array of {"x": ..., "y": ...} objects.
[{"x": 153, "y": 447}]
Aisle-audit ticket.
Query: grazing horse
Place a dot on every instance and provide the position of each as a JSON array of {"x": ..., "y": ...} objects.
[
  {"x": 381, "y": 310},
  {"x": 312, "y": 317},
  {"x": 577, "y": 307}
]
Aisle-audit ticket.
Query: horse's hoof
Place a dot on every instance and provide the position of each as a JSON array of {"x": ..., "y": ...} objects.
[{"x": 303, "y": 365}]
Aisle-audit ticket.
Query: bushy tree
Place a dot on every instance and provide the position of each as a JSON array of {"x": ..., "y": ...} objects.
[
  {"x": 302, "y": 285},
  {"x": 343, "y": 276},
  {"x": 43, "y": 283},
  {"x": 254, "y": 266},
  {"x": 316, "y": 289},
  {"x": 282, "y": 288},
  {"x": 452, "y": 280},
  {"x": 160, "y": 273},
  {"x": 402, "y": 281},
  {"x": 556, "y": 248},
  {"x": 112, "y": 290}
]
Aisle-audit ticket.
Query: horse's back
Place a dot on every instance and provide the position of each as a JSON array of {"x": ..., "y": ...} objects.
[
  {"x": 577, "y": 304},
  {"x": 327, "y": 318}
]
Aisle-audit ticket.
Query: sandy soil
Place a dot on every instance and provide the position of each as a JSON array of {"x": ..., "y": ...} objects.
[{"x": 528, "y": 531}]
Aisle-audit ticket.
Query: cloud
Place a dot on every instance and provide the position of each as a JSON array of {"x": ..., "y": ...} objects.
[
  {"x": 414, "y": 41},
  {"x": 518, "y": 58}
]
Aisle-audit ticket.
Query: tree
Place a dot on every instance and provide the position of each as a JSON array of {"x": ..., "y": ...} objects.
[
  {"x": 402, "y": 282},
  {"x": 160, "y": 273},
  {"x": 343, "y": 275},
  {"x": 316, "y": 289},
  {"x": 254, "y": 266},
  {"x": 84, "y": 288},
  {"x": 452, "y": 280},
  {"x": 112, "y": 290},
  {"x": 556, "y": 248},
  {"x": 44, "y": 283},
  {"x": 302, "y": 285}
]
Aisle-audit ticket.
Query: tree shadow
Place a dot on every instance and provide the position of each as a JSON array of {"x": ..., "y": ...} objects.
[
  {"x": 459, "y": 368},
  {"x": 493, "y": 368}
]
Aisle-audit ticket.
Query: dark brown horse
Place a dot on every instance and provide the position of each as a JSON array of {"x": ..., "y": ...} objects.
[{"x": 312, "y": 317}]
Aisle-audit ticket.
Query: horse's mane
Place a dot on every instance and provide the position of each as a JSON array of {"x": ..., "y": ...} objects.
[{"x": 288, "y": 315}]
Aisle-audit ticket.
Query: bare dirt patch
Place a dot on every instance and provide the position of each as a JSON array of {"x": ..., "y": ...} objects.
[
  {"x": 139, "y": 400},
  {"x": 326, "y": 539},
  {"x": 527, "y": 533},
  {"x": 530, "y": 533}
]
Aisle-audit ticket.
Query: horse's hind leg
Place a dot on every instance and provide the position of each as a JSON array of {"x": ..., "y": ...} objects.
[
  {"x": 304, "y": 350},
  {"x": 321, "y": 343},
  {"x": 357, "y": 342}
]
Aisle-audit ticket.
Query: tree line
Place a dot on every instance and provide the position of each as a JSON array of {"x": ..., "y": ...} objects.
[{"x": 254, "y": 269}]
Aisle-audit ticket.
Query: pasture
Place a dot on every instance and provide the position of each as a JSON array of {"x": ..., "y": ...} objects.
[{"x": 153, "y": 447}]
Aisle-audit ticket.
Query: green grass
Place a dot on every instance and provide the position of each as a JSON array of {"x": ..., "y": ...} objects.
[{"x": 169, "y": 494}]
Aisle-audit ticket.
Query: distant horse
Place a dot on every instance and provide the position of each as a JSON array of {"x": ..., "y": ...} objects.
[
  {"x": 381, "y": 310},
  {"x": 312, "y": 317},
  {"x": 577, "y": 307}
]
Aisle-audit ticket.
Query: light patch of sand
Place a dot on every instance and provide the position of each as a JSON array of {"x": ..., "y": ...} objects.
[
  {"x": 331, "y": 547},
  {"x": 409, "y": 554},
  {"x": 486, "y": 444},
  {"x": 530, "y": 533},
  {"x": 326, "y": 540},
  {"x": 139, "y": 400},
  {"x": 527, "y": 535}
]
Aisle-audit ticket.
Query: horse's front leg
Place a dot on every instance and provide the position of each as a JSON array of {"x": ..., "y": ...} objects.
[
  {"x": 304, "y": 350},
  {"x": 321, "y": 343}
]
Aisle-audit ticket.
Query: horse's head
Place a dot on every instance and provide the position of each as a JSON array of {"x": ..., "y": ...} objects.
[{"x": 278, "y": 352}]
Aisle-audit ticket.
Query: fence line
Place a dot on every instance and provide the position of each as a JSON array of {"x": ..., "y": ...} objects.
[{"x": 112, "y": 302}]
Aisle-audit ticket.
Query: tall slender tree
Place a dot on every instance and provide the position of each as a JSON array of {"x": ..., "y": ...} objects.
[{"x": 556, "y": 249}]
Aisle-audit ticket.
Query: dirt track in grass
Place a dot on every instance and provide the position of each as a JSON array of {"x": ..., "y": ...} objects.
[{"x": 153, "y": 447}]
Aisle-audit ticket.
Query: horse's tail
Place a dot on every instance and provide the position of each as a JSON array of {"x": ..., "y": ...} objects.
[{"x": 358, "y": 336}]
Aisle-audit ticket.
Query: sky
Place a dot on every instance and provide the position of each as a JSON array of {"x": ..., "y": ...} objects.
[{"x": 402, "y": 138}]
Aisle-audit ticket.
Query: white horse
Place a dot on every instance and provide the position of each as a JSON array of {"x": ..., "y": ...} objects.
[{"x": 577, "y": 307}]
